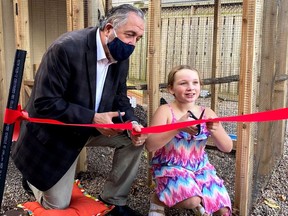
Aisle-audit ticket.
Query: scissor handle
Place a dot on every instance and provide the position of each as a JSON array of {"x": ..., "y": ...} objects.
[
  {"x": 120, "y": 116},
  {"x": 191, "y": 115}
]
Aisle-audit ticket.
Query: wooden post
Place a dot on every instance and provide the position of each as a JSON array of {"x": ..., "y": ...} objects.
[
  {"x": 7, "y": 51},
  {"x": 3, "y": 92},
  {"x": 75, "y": 14},
  {"x": 22, "y": 37},
  {"x": 215, "y": 54},
  {"x": 281, "y": 68},
  {"x": 273, "y": 65},
  {"x": 108, "y": 5},
  {"x": 153, "y": 61},
  {"x": 244, "y": 152}
]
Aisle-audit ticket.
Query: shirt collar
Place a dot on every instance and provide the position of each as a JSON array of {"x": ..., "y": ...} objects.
[{"x": 100, "y": 50}]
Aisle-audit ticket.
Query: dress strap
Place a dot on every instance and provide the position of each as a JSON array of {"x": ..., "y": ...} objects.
[
  {"x": 203, "y": 108},
  {"x": 172, "y": 112}
]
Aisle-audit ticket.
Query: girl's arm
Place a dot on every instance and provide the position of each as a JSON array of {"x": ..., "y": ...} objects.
[
  {"x": 162, "y": 116},
  {"x": 220, "y": 137}
]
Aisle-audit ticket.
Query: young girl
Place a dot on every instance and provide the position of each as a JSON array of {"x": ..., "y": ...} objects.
[{"x": 183, "y": 175}]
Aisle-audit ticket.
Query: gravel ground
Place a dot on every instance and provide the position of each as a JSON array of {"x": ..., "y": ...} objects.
[{"x": 98, "y": 169}]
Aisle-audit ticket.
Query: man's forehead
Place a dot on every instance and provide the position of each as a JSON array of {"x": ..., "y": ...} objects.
[{"x": 134, "y": 24}]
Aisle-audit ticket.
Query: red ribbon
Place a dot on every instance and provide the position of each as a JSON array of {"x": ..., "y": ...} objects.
[
  {"x": 16, "y": 116},
  {"x": 271, "y": 115}
]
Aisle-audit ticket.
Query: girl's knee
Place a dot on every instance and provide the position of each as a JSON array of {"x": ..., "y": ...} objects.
[
  {"x": 221, "y": 211},
  {"x": 189, "y": 203}
]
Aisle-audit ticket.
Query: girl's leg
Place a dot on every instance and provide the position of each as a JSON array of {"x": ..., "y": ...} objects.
[
  {"x": 156, "y": 206},
  {"x": 190, "y": 203},
  {"x": 222, "y": 211}
]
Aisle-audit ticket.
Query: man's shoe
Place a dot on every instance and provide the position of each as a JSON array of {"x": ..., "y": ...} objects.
[
  {"x": 123, "y": 211},
  {"x": 120, "y": 210},
  {"x": 26, "y": 187},
  {"x": 16, "y": 212}
]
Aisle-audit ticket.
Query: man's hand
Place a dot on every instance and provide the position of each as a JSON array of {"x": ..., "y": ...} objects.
[{"x": 106, "y": 118}]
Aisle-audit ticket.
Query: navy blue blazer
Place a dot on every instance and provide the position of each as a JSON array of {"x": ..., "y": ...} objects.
[{"x": 65, "y": 89}]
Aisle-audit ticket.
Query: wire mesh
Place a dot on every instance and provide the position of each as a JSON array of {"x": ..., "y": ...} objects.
[{"x": 186, "y": 37}]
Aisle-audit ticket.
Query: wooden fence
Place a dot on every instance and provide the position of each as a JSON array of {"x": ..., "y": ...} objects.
[{"x": 187, "y": 38}]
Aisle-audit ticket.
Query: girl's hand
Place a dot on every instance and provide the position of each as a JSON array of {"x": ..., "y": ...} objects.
[
  {"x": 212, "y": 126},
  {"x": 193, "y": 129}
]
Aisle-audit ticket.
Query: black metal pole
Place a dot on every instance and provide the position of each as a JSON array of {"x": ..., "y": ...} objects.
[{"x": 12, "y": 103}]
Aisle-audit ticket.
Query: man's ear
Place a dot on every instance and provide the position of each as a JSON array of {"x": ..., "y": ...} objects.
[{"x": 108, "y": 27}]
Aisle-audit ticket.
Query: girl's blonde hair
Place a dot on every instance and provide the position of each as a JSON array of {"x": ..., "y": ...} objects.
[{"x": 171, "y": 75}]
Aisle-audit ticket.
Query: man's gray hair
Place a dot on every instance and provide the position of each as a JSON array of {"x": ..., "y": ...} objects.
[{"x": 118, "y": 15}]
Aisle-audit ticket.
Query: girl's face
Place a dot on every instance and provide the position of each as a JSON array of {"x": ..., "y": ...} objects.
[{"x": 186, "y": 86}]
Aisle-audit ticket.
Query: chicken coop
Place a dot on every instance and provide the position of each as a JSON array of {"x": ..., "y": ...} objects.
[{"x": 240, "y": 48}]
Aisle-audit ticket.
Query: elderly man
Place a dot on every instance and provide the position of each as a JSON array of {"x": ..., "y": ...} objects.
[{"x": 82, "y": 79}]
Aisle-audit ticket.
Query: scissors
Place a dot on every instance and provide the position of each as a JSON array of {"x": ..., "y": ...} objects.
[
  {"x": 120, "y": 116},
  {"x": 191, "y": 115}
]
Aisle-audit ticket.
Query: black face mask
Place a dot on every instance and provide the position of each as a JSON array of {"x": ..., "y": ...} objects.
[{"x": 120, "y": 50}]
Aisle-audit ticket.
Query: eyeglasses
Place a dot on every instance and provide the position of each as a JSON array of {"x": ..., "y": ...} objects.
[{"x": 191, "y": 115}]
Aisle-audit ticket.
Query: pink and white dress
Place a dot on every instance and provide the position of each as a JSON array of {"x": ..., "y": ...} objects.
[{"x": 181, "y": 170}]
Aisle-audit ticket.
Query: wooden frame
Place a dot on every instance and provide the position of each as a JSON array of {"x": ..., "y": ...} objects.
[{"x": 273, "y": 67}]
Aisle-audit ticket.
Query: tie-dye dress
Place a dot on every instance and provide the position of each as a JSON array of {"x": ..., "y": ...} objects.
[{"x": 181, "y": 170}]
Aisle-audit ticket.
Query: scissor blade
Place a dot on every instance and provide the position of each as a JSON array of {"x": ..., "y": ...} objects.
[{"x": 201, "y": 116}]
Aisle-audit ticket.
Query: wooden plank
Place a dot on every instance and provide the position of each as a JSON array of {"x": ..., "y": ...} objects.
[
  {"x": 205, "y": 72},
  {"x": 95, "y": 10},
  {"x": 51, "y": 20},
  {"x": 170, "y": 43},
  {"x": 215, "y": 56},
  {"x": 177, "y": 46},
  {"x": 137, "y": 68},
  {"x": 209, "y": 47},
  {"x": 164, "y": 40},
  {"x": 22, "y": 37},
  {"x": 200, "y": 44},
  {"x": 185, "y": 40},
  {"x": 78, "y": 14},
  {"x": 245, "y": 142},
  {"x": 153, "y": 58},
  {"x": 61, "y": 17},
  {"x": 69, "y": 13},
  {"x": 38, "y": 30},
  {"x": 75, "y": 14},
  {"x": 27, "y": 94},
  {"x": 226, "y": 42},
  {"x": 3, "y": 84},
  {"x": 143, "y": 59},
  {"x": 274, "y": 64},
  {"x": 8, "y": 42},
  {"x": 281, "y": 68},
  {"x": 235, "y": 60},
  {"x": 134, "y": 66},
  {"x": 193, "y": 41},
  {"x": 265, "y": 87}
]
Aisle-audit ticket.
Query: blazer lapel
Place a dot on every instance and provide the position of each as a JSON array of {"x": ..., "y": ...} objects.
[{"x": 91, "y": 58}]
